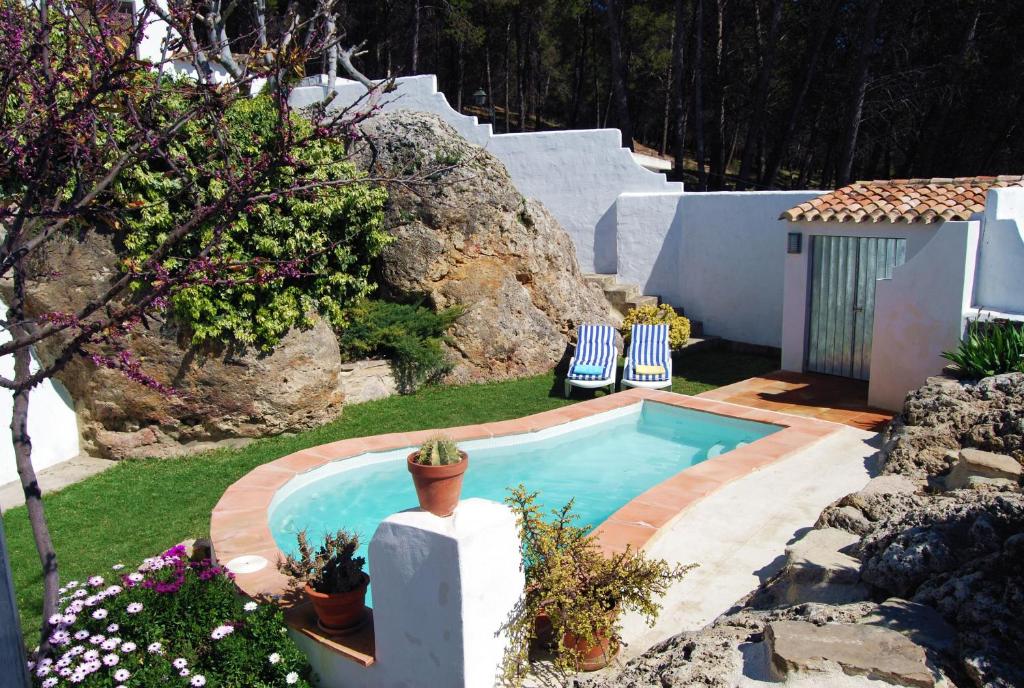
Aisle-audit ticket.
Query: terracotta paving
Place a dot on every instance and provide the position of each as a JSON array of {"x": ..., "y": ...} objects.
[
  {"x": 826, "y": 397},
  {"x": 239, "y": 523}
]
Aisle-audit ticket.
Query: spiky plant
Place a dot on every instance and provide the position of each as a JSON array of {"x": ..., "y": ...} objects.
[
  {"x": 438, "y": 451},
  {"x": 330, "y": 568}
]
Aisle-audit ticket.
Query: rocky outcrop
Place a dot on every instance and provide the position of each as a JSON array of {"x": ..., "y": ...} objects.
[
  {"x": 946, "y": 415},
  {"x": 856, "y": 649},
  {"x": 975, "y": 468},
  {"x": 469, "y": 238},
  {"x": 221, "y": 395}
]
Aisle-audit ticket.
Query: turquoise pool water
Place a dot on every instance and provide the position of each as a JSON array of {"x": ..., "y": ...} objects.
[{"x": 603, "y": 462}]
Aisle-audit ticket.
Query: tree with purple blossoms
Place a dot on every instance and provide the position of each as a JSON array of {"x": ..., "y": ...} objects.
[{"x": 235, "y": 216}]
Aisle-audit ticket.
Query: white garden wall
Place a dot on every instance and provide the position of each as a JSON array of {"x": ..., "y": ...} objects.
[
  {"x": 52, "y": 424},
  {"x": 577, "y": 175},
  {"x": 919, "y": 313},
  {"x": 1000, "y": 279}
]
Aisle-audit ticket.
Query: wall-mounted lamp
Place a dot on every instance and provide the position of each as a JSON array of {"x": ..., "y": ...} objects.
[{"x": 794, "y": 242}]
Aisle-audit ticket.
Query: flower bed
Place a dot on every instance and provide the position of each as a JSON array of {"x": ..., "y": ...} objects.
[{"x": 170, "y": 622}]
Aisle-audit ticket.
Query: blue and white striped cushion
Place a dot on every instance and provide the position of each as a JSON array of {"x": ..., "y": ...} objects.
[
  {"x": 648, "y": 345},
  {"x": 595, "y": 345}
]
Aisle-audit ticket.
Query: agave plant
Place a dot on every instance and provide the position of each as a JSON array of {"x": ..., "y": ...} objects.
[
  {"x": 438, "y": 451},
  {"x": 990, "y": 348}
]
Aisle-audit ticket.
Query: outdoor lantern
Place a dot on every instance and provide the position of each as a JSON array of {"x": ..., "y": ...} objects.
[
  {"x": 794, "y": 241},
  {"x": 480, "y": 97}
]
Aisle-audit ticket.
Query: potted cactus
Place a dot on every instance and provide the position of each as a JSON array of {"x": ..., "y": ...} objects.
[
  {"x": 332, "y": 578},
  {"x": 437, "y": 468}
]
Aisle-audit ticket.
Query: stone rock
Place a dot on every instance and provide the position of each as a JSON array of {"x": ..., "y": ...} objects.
[
  {"x": 223, "y": 394},
  {"x": 476, "y": 242},
  {"x": 974, "y": 463},
  {"x": 945, "y": 415},
  {"x": 816, "y": 570},
  {"x": 859, "y": 650},
  {"x": 367, "y": 380},
  {"x": 883, "y": 498},
  {"x": 919, "y": 622}
]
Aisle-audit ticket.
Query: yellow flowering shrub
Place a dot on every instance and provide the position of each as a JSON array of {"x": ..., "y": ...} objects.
[{"x": 678, "y": 325}]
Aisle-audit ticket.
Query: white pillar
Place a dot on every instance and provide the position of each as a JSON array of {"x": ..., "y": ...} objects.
[{"x": 442, "y": 589}]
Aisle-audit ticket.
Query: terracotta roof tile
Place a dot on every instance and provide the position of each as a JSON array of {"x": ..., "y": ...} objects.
[{"x": 902, "y": 200}]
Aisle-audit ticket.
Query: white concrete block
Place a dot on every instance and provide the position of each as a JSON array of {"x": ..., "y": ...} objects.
[{"x": 443, "y": 589}]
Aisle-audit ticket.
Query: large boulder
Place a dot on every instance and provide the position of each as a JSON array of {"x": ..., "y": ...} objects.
[
  {"x": 221, "y": 394},
  {"x": 466, "y": 237},
  {"x": 946, "y": 415}
]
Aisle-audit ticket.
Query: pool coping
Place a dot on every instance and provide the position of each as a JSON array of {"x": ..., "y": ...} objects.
[{"x": 239, "y": 524}]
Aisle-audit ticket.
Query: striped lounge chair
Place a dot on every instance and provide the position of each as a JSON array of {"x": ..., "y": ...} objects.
[
  {"x": 595, "y": 346},
  {"x": 648, "y": 346}
]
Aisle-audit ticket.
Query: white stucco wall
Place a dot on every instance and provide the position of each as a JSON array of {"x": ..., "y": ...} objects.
[
  {"x": 442, "y": 588},
  {"x": 731, "y": 262},
  {"x": 577, "y": 175},
  {"x": 1000, "y": 273},
  {"x": 52, "y": 424},
  {"x": 796, "y": 297},
  {"x": 920, "y": 313}
]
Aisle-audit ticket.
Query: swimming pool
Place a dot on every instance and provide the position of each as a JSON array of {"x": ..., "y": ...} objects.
[{"x": 602, "y": 461}]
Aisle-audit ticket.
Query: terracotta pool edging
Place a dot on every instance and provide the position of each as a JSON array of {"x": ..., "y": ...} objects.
[{"x": 239, "y": 523}]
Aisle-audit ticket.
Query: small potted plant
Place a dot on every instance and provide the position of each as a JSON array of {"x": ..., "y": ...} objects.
[
  {"x": 575, "y": 594},
  {"x": 333, "y": 579},
  {"x": 437, "y": 468}
]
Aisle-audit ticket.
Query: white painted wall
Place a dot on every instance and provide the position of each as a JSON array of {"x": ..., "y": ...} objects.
[
  {"x": 1000, "y": 276},
  {"x": 442, "y": 590},
  {"x": 796, "y": 296},
  {"x": 919, "y": 313},
  {"x": 577, "y": 175},
  {"x": 52, "y": 424}
]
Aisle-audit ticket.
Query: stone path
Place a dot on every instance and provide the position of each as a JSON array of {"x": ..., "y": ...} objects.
[{"x": 55, "y": 478}]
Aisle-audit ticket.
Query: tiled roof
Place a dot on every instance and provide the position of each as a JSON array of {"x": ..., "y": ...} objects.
[{"x": 902, "y": 200}]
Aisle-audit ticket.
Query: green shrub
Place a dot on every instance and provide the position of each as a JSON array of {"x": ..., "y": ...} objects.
[
  {"x": 169, "y": 622},
  {"x": 678, "y": 326},
  {"x": 990, "y": 348},
  {"x": 327, "y": 237},
  {"x": 583, "y": 592},
  {"x": 409, "y": 334}
]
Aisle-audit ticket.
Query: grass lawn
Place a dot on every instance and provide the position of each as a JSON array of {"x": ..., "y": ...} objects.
[{"x": 141, "y": 507}]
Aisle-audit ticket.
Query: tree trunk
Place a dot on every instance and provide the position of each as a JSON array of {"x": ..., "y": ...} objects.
[
  {"x": 508, "y": 69},
  {"x": 460, "y": 87},
  {"x": 23, "y": 458},
  {"x": 755, "y": 126},
  {"x": 718, "y": 93},
  {"x": 679, "y": 88},
  {"x": 698, "y": 93},
  {"x": 855, "y": 109},
  {"x": 619, "y": 79},
  {"x": 415, "y": 62},
  {"x": 490, "y": 88},
  {"x": 668, "y": 96},
  {"x": 332, "y": 57},
  {"x": 824, "y": 27}
]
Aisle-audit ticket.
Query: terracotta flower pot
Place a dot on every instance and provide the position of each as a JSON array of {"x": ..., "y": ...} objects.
[
  {"x": 340, "y": 611},
  {"x": 438, "y": 487},
  {"x": 591, "y": 657}
]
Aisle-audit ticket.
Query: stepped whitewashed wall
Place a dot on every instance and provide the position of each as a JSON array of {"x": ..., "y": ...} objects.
[{"x": 577, "y": 175}]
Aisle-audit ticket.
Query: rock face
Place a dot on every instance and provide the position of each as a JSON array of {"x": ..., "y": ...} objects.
[
  {"x": 858, "y": 649},
  {"x": 946, "y": 415},
  {"x": 818, "y": 569},
  {"x": 222, "y": 395},
  {"x": 474, "y": 241},
  {"x": 976, "y": 467}
]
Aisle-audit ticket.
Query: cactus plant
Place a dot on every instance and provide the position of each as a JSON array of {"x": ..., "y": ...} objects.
[
  {"x": 331, "y": 568},
  {"x": 438, "y": 451}
]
